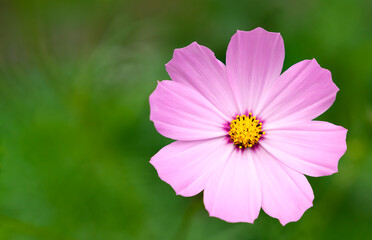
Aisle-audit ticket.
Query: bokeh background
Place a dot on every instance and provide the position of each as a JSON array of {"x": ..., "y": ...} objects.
[{"x": 75, "y": 135}]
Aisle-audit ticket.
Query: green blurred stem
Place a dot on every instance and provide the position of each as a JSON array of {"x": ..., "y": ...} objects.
[{"x": 192, "y": 209}]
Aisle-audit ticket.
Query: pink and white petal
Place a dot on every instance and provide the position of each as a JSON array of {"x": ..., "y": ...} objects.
[
  {"x": 254, "y": 60},
  {"x": 187, "y": 166},
  {"x": 196, "y": 66},
  {"x": 312, "y": 148},
  {"x": 181, "y": 113},
  {"x": 233, "y": 192},
  {"x": 286, "y": 194},
  {"x": 301, "y": 93}
]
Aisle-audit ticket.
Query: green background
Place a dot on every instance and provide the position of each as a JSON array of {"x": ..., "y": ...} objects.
[{"x": 75, "y": 135}]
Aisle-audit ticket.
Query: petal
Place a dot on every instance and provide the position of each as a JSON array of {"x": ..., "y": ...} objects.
[
  {"x": 197, "y": 67},
  {"x": 186, "y": 166},
  {"x": 181, "y": 113},
  {"x": 254, "y": 60},
  {"x": 302, "y": 93},
  {"x": 233, "y": 192},
  {"x": 312, "y": 148},
  {"x": 286, "y": 194}
]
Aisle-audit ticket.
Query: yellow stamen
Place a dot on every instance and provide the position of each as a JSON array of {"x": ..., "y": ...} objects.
[{"x": 245, "y": 131}]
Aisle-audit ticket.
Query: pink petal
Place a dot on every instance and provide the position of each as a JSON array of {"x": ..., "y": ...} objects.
[
  {"x": 312, "y": 148},
  {"x": 302, "y": 93},
  {"x": 181, "y": 113},
  {"x": 254, "y": 60},
  {"x": 197, "y": 67},
  {"x": 186, "y": 166},
  {"x": 286, "y": 194},
  {"x": 233, "y": 192}
]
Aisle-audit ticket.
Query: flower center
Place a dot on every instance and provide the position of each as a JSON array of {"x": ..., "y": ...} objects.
[{"x": 245, "y": 131}]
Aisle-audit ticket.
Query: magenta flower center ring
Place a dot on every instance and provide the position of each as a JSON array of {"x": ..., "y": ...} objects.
[{"x": 245, "y": 131}]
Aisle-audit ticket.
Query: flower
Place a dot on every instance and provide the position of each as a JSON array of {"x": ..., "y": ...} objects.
[{"x": 245, "y": 132}]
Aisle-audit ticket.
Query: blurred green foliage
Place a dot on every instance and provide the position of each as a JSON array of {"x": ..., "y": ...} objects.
[{"x": 75, "y": 135}]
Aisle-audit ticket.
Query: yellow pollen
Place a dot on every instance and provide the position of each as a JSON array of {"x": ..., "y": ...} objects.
[{"x": 245, "y": 131}]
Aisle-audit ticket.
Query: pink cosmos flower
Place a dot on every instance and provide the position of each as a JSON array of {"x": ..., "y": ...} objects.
[{"x": 244, "y": 131}]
